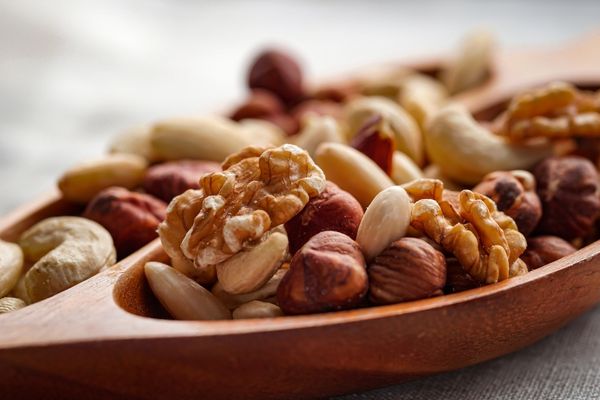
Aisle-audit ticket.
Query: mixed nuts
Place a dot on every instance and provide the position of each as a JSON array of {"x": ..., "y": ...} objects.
[{"x": 378, "y": 190}]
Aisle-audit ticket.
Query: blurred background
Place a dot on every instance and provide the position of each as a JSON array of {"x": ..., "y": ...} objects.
[{"x": 75, "y": 73}]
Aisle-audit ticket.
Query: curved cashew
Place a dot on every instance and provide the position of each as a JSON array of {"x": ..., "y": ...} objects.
[
  {"x": 421, "y": 96},
  {"x": 266, "y": 293},
  {"x": 263, "y": 132},
  {"x": 66, "y": 251},
  {"x": 11, "y": 266},
  {"x": 135, "y": 140},
  {"x": 209, "y": 138},
  {"x": 465, "y": 151},
  {"x": 352, "y": 171},
  {"x": 404, "y": 169},
  {"x": 83, "y": 181},
  {"x": 318, "y": 129},
  {"x": 407, "y": 135}
]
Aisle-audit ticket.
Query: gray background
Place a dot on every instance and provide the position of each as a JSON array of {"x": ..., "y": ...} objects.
[{"x": 75, "y": 73}]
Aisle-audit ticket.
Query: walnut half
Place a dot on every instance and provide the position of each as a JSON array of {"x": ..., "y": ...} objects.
[{"x": 257, "y": 190}]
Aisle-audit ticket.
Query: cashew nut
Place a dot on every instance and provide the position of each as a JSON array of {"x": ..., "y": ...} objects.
[
  {"x": 182, "y": 297},
  {"x": 11, "y": 266},
  {"x": 407, "y": 135},
  {"x": 404, "y": 169},
  {"x": 66, "y": 251},
  {"x": 263, "y": 132},
  {"x": 352, "y": 171},
  {"x": 466, "y": 151},
  {"x": 135, "y": 140},
  {"x": 209, "y": 138},
  {"x": 421, "y": 96},
  {"x": 265, "y": 293},
  {"x": 83, "y": 181},
  {"x": 318, "y": 129}
]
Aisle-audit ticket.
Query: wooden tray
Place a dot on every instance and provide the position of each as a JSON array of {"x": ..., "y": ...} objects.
[{"x": 95, "y": 340}]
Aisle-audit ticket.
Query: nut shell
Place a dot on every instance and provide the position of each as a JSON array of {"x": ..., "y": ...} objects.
[
  {"x": 568, "y": 189},
  {"x": 259, "y": 103},
  {"x": 170, "y": 179},
  {"x": 332, "y": 210},
  {"x": 408, "y": 269},
  {"x": 327, "y": 274},
  {"x": 543, "y": 250}
]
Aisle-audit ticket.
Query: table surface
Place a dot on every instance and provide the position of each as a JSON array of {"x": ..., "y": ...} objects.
[{"x": 75, "y": 73}]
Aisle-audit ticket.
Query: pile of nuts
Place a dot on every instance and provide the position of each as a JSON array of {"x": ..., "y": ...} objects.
[{"x": 377, "y": 190}]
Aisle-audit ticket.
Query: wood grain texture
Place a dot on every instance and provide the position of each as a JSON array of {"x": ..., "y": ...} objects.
[{"x": 95, "y": 340}]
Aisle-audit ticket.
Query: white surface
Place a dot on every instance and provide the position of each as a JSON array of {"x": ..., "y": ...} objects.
[{"x": 75, "y": 73}]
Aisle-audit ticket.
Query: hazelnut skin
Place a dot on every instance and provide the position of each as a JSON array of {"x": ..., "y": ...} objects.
[
  {"x": 259, "y": 104},
  {"x": 130, "y": 218},
  {"x": 568, "y": 189},
  {"x": 543, "y": 250},
  {"x": 514, "y": 194},
  {"x": 170, "y": 179},
  {"x": 332, "y": 210},
  {"x": 278, "y": 73},
  {"x": 457, "y": 279},
  {"x": 408, "y": 269},
  {"x": 328, "y": 273}
]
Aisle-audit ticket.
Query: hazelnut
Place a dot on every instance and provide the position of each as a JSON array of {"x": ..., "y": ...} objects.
[
  {"x": 568, "y": 189},
  {"x": 130, "y": 218},
  {"x": 408, "y": 269},
  {"x": 375, "y": 141},
  {"x": 278, "y": 73},
  {"x": 543, "y": 250},
  {"x": 457, "y": 279},
  {"x": 332, "y": 210},
  {"x": 170, "y": 179},
  {"x": 327, "y": 273},
  {"x": 259, "y": 104},
  {"x": 514, "y": 194}
]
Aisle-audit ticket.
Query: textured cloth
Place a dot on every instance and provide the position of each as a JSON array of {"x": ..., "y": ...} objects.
[{"x": 75, "y": 73}]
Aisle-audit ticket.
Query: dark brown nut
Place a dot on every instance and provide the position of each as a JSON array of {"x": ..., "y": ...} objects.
[
  {"x": 543, "y": 250},
  {"x": 259, "y": 104},
  {"x": 170, "y": 179},
  {"x": 333, "y": 210},
  {"x": 457, "y": 279},
  {"x": 278, "y": 73},
  {"x": 286, "y": 122},
  {"x": 318, "y": 107},
  {"x": 514, "y": 194},
  {"x": 130, "y": 218},
  {"x": 568, "y": 189},
  {"x": 327, "y": 273},
  {"x": 408, "y": 269},
  {"x": 375, "y": 140}
]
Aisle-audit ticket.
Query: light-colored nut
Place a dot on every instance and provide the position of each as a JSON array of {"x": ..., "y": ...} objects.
[
  {"x": 135, "y": 140},
  {"x": 265, "y": 293},
  {"x": 466, "y": 151},
  {"x": 257, "y": 309},
  {"x": 472, "y": 64},
  {"x": 352, "y": 171},
  {"x": 318, "y": 129},
  {"x": 408, "y": 269},
  {"x": 66, "y": 251},
  {"x": 386, "y": 220},
  {"x": 327, "y": 273},
  {"x": 433, "y": 171},
  {"x": 11, "y": 266},
  {"x": 404, "y": 169},
  {"x": 209, "y": 138},
  {"x": 10, "y": 304},
  {"x": 182, "y": 297},
  {"x": 82, "y": 182},
  {"x": 20, "y": 291},
  {"x": 251, "y": 268},
  {"x": 407, "y": 135},
  {"x": 382, "y": 80},
  {"x": 263, "y": 132},
  {"x": 421, "y": 96},
  {"x": 258, "y": 190}
]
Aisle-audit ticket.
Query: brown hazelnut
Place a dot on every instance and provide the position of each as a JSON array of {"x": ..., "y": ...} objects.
[
  {"x": 336, "y": 92},
  {"x": 543, "y": 250},
  {"x": 327, "y": 273},
  {"x": 514, "y": 194},
  {"x": 130, "y": 218},
  {"x": 332, "y": 210},
  {"x": 286, "y": 122},
  {"x": 373, "y": 142},
  {"x": 170, "y": 179},
  {"x": 568, "y": 189},
  {"x": 259, "y": 104},
  {"x": 408, "y": 269},
  {"x": 278, "y": 73},
  {"x": 457, "y": 279}
]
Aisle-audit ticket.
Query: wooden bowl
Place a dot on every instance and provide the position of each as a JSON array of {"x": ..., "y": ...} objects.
[{"x": 97, "y": 340}]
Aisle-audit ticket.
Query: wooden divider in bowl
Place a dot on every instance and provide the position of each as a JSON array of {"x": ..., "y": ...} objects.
[{"x": 107, "y": 338}]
